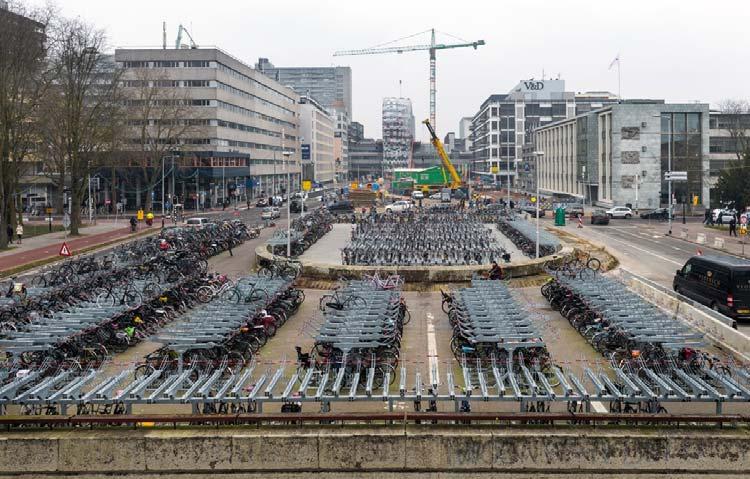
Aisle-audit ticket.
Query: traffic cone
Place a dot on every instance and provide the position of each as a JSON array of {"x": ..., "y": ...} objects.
[{"x": 580, "y": 222}]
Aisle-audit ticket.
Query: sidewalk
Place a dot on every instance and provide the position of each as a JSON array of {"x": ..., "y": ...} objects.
[
  {"x": 712, "y": 238},
  {"x": 48, "y": 245}
]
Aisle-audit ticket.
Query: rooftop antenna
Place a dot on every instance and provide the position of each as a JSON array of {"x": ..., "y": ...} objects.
[
  {"x": 399, "y": 89},
  {"x": 164, "y": 35}
]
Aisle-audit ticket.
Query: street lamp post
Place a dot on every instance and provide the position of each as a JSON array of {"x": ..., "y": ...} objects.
[
  {"x": 539, "y": 155},
  {"x": 287, "y": 154}
]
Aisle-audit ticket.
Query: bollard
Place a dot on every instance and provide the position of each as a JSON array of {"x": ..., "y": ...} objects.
[
  {"x": 683, "y": 234},
  {"x": 719, "y": 243},
  {"x": 701, "y": 238}
]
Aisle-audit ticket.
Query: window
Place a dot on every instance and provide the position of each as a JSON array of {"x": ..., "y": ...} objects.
[
  {"x": 494, "y": 111},
  {"x": 494, "y": 126},
  {"x": 166, "y": 64},
  {"x": 197, "y": 64},
  {"x": 167, "y": 83},
  {"x": 199, "y": 102},
  {"x": 693, "y": 122},
  {"x": 196, "y": 83},
  {"x": 678, "y": 123},
  {"x": 135, "y": 64}
]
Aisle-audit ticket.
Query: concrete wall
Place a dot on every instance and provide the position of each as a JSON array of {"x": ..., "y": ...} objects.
[
  {"x": 340, "y": 449},
  {"x": 417, "y": 274}
]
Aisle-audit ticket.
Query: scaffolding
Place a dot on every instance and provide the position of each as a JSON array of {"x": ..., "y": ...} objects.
[{"x": 398, "y": 133}]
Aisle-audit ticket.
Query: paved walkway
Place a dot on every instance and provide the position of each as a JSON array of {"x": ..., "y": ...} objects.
[
  {"x": 328, "y": 248},
  {"x": 48, "y": 245}
]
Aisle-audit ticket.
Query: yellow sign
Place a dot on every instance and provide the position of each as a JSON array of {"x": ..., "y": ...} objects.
[
  {"x": 695, "y": 200},
  {"x": 533, "y": 199},
  {"x": 354, "y": 185},
  {"x": 743, "y": 229},
  {"x": 494, "y": 170},
  {"x": 306, "y": 185},
  {"x": 139, "y": 215}
]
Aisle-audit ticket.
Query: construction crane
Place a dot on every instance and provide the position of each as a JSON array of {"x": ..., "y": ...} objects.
[
  {"x": 178, "y": 42},
  {"x": 455, "y": 181},
  {"x": 432, "y": 48}
]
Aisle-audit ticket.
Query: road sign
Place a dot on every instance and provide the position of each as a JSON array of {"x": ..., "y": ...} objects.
[
  {"x": 675, "y": 176},
  {"x": 305, "y": 150},
  {"x": 65, "y": 251},
  {"x": 533, "y": 199},
  {"x": 306, "y": 185},
  {"x": 494, "y": 169},
  {"x": 66, "y": 221}
]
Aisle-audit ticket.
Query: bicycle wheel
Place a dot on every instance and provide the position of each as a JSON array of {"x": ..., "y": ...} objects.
[
  {"x": 257, "y": 294},
  {"x": 265, "y": 272},
  {"x": 353, "y": 301},
  {"x": 143, "y": 371},
  {"x": 587, "y": 274},
  {"x": 232, "y": 295},
  {"x": 407, "y": 317},
  {"x": 204, "y": 294},
  {"x": 105, "y": 300},
  {"x": 289, "y": 272},
  {"x": 132, "y": 298},
  {"x": 594, "y": 263}
]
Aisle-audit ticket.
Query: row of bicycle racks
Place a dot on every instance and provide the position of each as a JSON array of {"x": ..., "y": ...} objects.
[{"x": 498, "y": 354}]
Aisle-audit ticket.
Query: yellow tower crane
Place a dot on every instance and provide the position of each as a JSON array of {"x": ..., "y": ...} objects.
[
  {"x": 432, "y": 48},
  {"x": 455, "y": 181}
]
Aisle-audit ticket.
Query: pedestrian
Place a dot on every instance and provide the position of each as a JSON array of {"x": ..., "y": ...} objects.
[
  {"x": 707, "y": 217},
  {"x": 732, "y": 226},
  {"x": 9, "y": 232},
  {"x": 720, "y": 218},
  {"x": 229, "y": 247},
  {"x": 19, "y": 232}
]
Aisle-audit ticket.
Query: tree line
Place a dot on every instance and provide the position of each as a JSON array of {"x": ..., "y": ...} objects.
[{"x": 63, "y": 105}]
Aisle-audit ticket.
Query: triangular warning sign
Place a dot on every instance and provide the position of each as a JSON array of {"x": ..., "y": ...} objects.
[{"x": 64, "y": 250}]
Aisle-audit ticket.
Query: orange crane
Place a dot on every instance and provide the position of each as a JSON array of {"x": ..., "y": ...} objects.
[
  {"x": 455, "y": 181},
  {"x": 432, "y": 48}
]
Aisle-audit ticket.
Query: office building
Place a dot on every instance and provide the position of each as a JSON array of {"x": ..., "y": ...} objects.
[
  {"x": 331, "y": 87},
  {"x": 398, "y": 133},
  {"x": 316, "y": 134},
  {"x": 366, "y": 160},
  {"x": 356, "y": 131},
  {"x": 618, "y": 154},
  {"x": 504, "y": 122},
  {"x": 234, "y": 146}
]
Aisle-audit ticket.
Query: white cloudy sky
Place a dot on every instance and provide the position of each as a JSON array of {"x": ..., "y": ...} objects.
[{"x": 680, "y": 50}]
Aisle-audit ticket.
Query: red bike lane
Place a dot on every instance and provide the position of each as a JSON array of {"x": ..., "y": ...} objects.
[{"x": 74, "y": 244}]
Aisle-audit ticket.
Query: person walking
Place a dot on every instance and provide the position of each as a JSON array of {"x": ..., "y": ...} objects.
[
  {"x": 733, "y": 226},
  {"x": 9, "y": 232},
  {"x": 19, "y": 232}
]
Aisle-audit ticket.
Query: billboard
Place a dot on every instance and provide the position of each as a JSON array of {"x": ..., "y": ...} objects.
[{"x": 305, "y": 151}]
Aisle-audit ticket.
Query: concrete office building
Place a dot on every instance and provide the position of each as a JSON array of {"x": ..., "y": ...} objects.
[
  {"x": 329, "y": 86},
  {"x": 618, "y": 154},
  {"x": 356, "y": 131},
  {"x": 504, "y": 122},
  {"x": 398, "y": 133},
  {"x": 238, "y": 116},
  {"x": 316, "y": 133}
]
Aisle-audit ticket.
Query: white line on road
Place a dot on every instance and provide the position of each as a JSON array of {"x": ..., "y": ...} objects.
[
  {"x": 643, "y": 250},
  {"x": 432, "y": 350}
]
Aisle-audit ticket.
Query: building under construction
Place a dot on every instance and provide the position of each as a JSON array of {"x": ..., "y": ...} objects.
[{"x": 398, "y": 133}]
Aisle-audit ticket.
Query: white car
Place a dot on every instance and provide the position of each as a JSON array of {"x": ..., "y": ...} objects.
[
  {"x": 398, "y": 206},
  {"x": 198, "y": 223},
  {"x": 270, "y": 213},
  {"x": 417, "y": 195},
  {"x": 436, "y": 196},
  {"x": 620, "y": 212}
]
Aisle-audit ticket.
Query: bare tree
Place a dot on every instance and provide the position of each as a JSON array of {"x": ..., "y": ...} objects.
[
  {"x": 735, "y": 114},
  {"x": 23, "y": 81},
  {"x": 82, "y": 115},
  {"x": 158, "y": 119}
]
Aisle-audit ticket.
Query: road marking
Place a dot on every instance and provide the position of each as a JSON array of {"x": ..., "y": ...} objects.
[
  {"x": 643, "y": 250},
  {"x": 598, "y": 406},
  {"x": 432, "y": 350}
]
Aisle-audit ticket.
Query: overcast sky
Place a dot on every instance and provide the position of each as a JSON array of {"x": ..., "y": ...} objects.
[{"x": 679, "y": 50}]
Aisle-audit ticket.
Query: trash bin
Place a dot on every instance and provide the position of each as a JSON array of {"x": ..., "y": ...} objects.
[{"x": 560, "y": 217}]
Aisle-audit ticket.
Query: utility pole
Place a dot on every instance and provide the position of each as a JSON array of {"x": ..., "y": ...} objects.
[
  {"x": 539, "y": 155},
  {"x": 287, "y": 154}
]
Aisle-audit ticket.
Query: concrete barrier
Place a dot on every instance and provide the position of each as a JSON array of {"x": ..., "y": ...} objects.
[
  {"x": 683, "y": 234},
  {"x": 700, "y": 238},
  {"x": 714, "y": 325},
  {"x": 418, "y": 274},
  {"x": 356, "y": 450},
  {"x": 719, "y": 243}
]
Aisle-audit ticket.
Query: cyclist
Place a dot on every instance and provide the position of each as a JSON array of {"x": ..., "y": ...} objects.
[
  {"x": 133, "y": 223},
  {"x": 496, "y": 272},
  {"x": 149, "y": 218}
]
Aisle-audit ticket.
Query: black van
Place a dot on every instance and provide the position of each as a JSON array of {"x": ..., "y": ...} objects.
[{"x": 720, "y": 282}]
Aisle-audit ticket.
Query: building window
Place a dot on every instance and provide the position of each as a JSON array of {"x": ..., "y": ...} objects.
[
  {"x": 165, "y": 64},
  {"x": 196, "y": 83},
  {"x": 197, "y": 64}
]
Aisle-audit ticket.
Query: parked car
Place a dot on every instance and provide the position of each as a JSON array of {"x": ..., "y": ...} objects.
[
  {"x": 417, "y": 195},
  {"x": 341, "y": 207},
  {"x": 531, "y": 209},
  {"x": 436, "y": 196},
  {"x": 198, "y": 223},
  {"x": 398, "y": 206},
  {"x": 261, "y": 203},
  {"x": 727, "y": 215},
  {"x": 620, "y": 212},
  {"x": 270, "y": 213},
  {"x": 297, "y": 205},
  {"x": 656, "y": 214},
  {"x": 599, "y": 217},
  {"x": 720, "y": 282},
  {"x": 574, "y": 209},
  {"x": 445, "y": 195}
]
